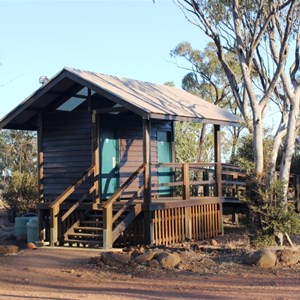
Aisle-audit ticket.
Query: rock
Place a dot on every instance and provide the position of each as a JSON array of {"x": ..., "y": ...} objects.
[
  {"x": 289, "y": 257},
  {"x": 153, "y": 263},
  {"x": 132, "y": 264},
  {"x": 121, "y": 258},
  {"x": 261, "y": 258},
  {"x": 180, "y": 266},
  {"x": 31, "y": 246},
  {"x": 168, "y": 259},
  {"x": 134, "y": 253},
  {"x": 213, "y": 242},
  {"x": 112, "y": 258},
  {"x": 145, "y": 257},
  {"x": 157, "y": 251},
  {"x": 9, "y": 249}
]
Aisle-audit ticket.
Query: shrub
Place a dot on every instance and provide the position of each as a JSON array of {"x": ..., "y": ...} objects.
[
  {"x": 269, "y": 213},
  {"x": 20, "y": 194}
]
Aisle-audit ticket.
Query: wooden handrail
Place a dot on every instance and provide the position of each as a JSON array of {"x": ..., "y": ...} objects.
[
  {"x": 108, "y": 218},
  {"x": 121, "y": 189},
  {"x": 186, "y": 182},
  {"x": 65, "y": 194},
  {"x": 55, "y": 205},
  {"x": 127, "y": 204},
  {"x": 75, "y": 205}
]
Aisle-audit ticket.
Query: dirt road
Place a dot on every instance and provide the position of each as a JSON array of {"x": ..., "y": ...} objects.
[{"x": 66, "y": 274}]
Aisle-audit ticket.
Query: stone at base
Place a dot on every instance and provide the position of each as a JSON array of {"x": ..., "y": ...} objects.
[{"x": 9, "y": 249}]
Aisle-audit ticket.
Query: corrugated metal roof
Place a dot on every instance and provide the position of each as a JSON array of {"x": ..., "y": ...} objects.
[
  {"x": 146, "y": 99},
  {"x": 158, "y": 100}
]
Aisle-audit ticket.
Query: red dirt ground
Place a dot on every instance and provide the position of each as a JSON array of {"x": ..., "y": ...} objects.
[
  {"x": 66, "y": 274},
  {"x": 52, "y": 273}
]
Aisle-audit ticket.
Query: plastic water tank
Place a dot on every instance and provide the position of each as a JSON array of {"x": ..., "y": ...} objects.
[
  {"x": 33, "y": 230},
  {"x": 21, "y": 225}
]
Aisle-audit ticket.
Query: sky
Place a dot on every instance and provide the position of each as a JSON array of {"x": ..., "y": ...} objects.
[{"x": 125, "y": 38}]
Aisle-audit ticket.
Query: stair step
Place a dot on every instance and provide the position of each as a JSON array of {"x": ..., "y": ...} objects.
[
  {"x": 91, "y": 223},
  {"x": 88, "y": 228},
  {"x": 83, "y": 241},
  {"x": 79, "y": 234},
  {"x": 94, "y": 216}
]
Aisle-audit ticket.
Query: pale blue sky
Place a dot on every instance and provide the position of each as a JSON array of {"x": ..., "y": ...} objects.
[{"x": 125, "y": 38}]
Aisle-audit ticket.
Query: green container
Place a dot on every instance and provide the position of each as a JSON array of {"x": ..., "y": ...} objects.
[
  {"x": 21, "y": 225},
  {"x": 33, "y": 230}
]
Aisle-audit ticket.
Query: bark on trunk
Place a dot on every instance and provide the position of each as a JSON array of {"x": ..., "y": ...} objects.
[
  {"x": 258, "y": 146},
  {"x": 274, "y": 155},
  {"x": 201, "y": 142},
  {"x": 289, "y": 148}
]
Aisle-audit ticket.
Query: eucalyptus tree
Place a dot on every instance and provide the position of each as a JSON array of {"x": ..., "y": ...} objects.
[
  {"x": 206, "y": 78},
  {"x": 262, "y": 35},
  {"x": 18, "y": 151}
]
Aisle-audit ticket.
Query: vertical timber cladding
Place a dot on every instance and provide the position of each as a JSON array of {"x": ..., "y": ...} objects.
[
  {"x": 170, "y": 226},
  {"x": 67, "y": 146},
  {"x": 130, "y": 134}
]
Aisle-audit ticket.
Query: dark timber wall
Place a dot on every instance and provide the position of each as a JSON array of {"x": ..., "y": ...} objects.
[{"x": 67, "y": 150}]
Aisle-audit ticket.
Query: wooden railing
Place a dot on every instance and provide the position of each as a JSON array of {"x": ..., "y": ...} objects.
[
  {"x": 195, "y": 219},
  {"x": 55, "y": 218},
  {"x": 108, "y": 218},
  {"x": 199, "y": 180}
]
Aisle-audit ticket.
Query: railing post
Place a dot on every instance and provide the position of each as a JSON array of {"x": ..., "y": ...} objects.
[
  {"x": 54, "y": 225},
  {"x": 188, "y": 222},
  {"x": 148, "y": 234},
  {"x": 95, "y": 155},
  {"x": 186, "y": 182},
  {"x": 107, "y": 227},
  {"x": 186, "y": 196},
  {"x": 205, "y": 187},
  {"x": 218, "y": 166}
]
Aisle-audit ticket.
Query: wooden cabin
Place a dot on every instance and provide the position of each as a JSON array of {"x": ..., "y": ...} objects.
[{"x": 106, "y": 161}]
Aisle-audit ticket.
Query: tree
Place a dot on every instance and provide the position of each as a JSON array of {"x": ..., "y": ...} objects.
[
  {"x": 206, "y": 78},
  {"x": 259, "y": 34},
  {"x": 18, "y": 156},
  {"x": 20, "y": 194},
  {"x": 18, "y": 151}
]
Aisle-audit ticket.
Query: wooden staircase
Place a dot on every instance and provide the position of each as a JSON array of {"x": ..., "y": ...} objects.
[
  {"x": 99, "y": 225},
  {"x": 88, "y": 232}
]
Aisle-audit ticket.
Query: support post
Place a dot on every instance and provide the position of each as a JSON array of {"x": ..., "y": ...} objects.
[
  {"x": 107, "y": 227},
  {"x": 40, "y": 175},
  {"x": 148, "y": 239},
  {"x": 40, "y": 158},
  {"x": 186, "y": 182},
  {"x": 188, "y": 223},
  {"x": 96, "y": 156},
  {"x": 53, "y": 226},
  {"x": 218, "y": 166}
]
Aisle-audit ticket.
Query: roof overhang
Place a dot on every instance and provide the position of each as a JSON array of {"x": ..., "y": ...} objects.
[{"x": 150, "y": 101}]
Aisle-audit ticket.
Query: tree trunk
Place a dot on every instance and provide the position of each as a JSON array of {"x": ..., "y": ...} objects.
[
  {"x": 201, "y": 142},
  {"x": 281, "y": 132},
  {"x": 258, "y": 146},
  {"x": 289, "y": 148}
]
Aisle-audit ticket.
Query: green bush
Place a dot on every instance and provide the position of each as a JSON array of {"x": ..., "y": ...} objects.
[
  {"x": 269, "y": 212},
  {"x": 20, "y": 194}
]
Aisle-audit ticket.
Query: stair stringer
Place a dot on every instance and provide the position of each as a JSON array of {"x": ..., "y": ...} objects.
[{"x": 121, "y": 227}]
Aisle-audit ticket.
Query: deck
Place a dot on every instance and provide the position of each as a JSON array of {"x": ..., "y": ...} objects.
[{"x": 189, "y": 206}]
